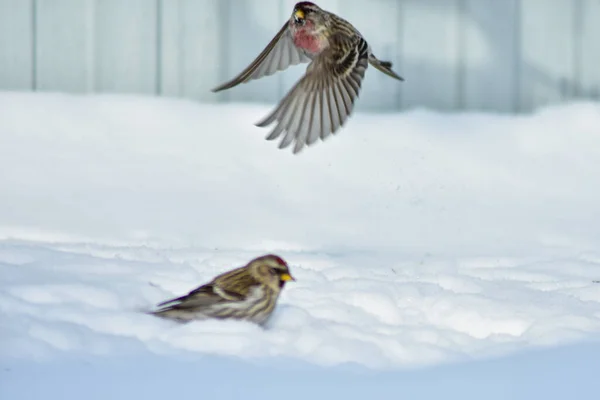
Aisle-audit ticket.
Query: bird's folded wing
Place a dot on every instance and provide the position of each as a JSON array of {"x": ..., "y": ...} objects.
[
  {"x": 201, "y": 296},
  {"x": 205, "y": 295},
  {"x": 279, "y": 54},
  {"x": 320, "y": 103}
]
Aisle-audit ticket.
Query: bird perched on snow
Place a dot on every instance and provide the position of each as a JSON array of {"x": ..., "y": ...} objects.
[
  {"x": 322, "y": 100},
  {"x": 245, "y": 293}
]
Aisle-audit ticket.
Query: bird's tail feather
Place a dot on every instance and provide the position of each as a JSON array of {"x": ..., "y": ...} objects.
[{"x": 385, "y": 67}]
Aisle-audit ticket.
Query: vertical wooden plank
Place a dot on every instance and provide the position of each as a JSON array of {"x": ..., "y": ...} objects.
[
  {"x": 378, "y": 26},
  {"x": 62, "y": 43},
  {"x": 252, "y": 25},
  {"x": 589, "y": 55},
  {"x": 191, "y": 48},
  {"x": 431, "y": 60},
  {"x": 171, "y": 48},
  {"x": 547, "y": 58},
  {"x": 490, "y": 54},
  {"x": 126, "y": 45},
  {"x": 16, "y": 44}
]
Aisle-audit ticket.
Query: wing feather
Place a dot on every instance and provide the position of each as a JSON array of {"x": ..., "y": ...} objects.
[
  {"x": 337, "y": 110},
  {"x": 230, "y": 286},
  {"x": 312, "y": 129},
  {"x": 279, "y": 54},
  {"x": 321, "y": 102}
]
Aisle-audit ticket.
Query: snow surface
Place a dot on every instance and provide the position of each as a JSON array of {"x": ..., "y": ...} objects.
[{"x": 435, "y": 253}]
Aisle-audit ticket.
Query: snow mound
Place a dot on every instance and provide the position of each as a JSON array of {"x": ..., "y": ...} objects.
[{"x": 417, "y": 238}]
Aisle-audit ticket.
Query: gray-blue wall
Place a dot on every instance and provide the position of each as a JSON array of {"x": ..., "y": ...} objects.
[{"x": 502, "y": 55}]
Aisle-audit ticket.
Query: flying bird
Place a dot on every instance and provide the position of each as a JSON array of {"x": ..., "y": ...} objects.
[
  {"x": 246, "y": 293},
  {"x": 323, "y": 99}
]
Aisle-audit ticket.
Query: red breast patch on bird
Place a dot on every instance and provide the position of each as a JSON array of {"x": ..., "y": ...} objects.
[{"x": 308, "y": 42}]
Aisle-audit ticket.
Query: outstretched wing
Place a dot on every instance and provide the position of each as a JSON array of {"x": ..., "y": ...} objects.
[
  {"x": 321, "y": 102},
  {"x": 279, "y": 54}
]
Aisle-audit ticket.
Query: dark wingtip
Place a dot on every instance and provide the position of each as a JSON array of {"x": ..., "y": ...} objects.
[
  {"x": 297, "y": 149},
  {"x": 266, "y": 121},
  {"x": 224, "y": 86}
]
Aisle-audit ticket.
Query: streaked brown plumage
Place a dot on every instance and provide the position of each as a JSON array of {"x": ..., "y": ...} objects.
[
  {"x": 323, "y": 99},
  {"x": 245, "y": 293}
]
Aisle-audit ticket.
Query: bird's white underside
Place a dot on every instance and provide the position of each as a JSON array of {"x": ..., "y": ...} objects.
[{"x": 255, "y": 296}]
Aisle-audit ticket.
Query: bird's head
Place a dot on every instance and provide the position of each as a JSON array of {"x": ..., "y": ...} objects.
[
  {"x": 307, "y": 14},
  {"x": 272, "y": 270}
]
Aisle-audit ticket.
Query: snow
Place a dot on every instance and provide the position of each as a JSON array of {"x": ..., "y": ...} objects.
[{"x": 434, "y": 253}]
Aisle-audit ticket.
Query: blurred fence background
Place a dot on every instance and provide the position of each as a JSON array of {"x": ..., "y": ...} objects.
[{"x": 499, "y": 55}]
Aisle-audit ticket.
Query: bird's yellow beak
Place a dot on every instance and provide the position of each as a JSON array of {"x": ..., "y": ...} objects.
[
  {"x": 299, "y": 14},
  {"x": 287, "y": 277}
]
